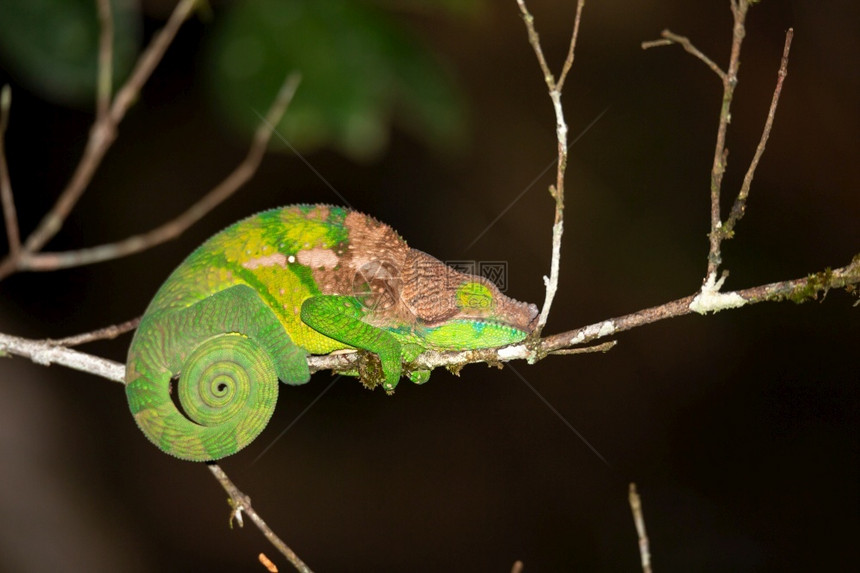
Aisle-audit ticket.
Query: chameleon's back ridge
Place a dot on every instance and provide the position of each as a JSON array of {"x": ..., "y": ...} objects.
[{"x": 247, "y": 307}]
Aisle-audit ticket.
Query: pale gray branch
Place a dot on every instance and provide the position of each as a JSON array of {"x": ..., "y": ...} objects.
[{"x": 44, "y": 353}]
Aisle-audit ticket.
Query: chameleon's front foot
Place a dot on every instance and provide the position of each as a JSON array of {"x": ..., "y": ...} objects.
[
  {"x": 419, "y": 376},
  {"x": 391, "y": 369}
]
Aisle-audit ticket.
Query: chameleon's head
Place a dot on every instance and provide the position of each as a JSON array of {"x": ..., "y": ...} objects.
[{"x": 458, "y": 311}]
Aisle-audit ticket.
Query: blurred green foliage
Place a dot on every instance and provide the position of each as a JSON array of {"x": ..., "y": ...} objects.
[
  {"x": 361, "y": 71},
  {"x": 363, "y": 68},
  {"x": 51, "y": 46}
]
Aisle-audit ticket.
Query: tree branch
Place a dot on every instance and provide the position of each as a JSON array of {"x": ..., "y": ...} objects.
[
  {"x": 719, "y": 230},
  {"x": 557, "y": 191},
  {"x": 44, "y": 353},
  {"x": 703, "y": 302},
  {"x": 102, "y": 135},
  {"x": 172, "y": 229}
]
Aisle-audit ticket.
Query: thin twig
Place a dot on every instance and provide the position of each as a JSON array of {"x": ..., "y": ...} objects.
[
  {"x": 103, "y": 133},
  {"x": 241, "y": 503},
  {"x": 568, "y": 61},
  {"x": 557, "y": 191},
  {"x": 171, "y": 229},
  {"x": 9, "y": 213},
  {"x": 534, "y": 40},
  {"x": 603, "y": 347},
  {"x": 639, "y": 520},
  {"x": 105, "y": 65},
  {"x": 106, "y": 333},
  {"x": 43, "y": 353},
  {"x": 718, "y": 169},
  {"x": 670, "y": 38},
  {"x": 718, "y": 230},
  {"x": 740, "y": 202}
]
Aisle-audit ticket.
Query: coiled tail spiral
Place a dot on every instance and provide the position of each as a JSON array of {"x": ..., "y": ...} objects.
[{"x": 226, "y": 394}]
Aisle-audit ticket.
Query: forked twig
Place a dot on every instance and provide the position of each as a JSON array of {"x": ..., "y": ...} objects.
[
  {"x": 720, "y": 230},
  {"x": 739, "y": 206},
  {"x": 670, "y": 38},
  {"x": 557, "y": 191},
  {"x": 171, "y": 229},
  {"x": 102, "y": 135},
  {"x": 104, "y": 131},
  {"x": 106, "y": 333}
]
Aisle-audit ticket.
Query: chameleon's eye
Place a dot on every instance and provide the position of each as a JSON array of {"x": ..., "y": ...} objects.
[{"x": 474, "y": 296}]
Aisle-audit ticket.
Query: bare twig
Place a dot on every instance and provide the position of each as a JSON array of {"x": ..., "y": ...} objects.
[
  {"x": 603, "y": 347},
  {"x": 105, "y": 66},
  {"x": 719, "y": 230},
  {"x": 106, "y": 333},
  {"x": 102, "y": 136},
  {"x": 639, "y": 520},
  {"x": 557, "y": 191},
  {"x": 241, "y": 503},
  {"x": 9, "y": 214},
  {"x": 741, "y": 200},
  {"x": 43, "y": 353},
  {"x": 670, "y": 38},
  {"x": 718, "y": 169},
  {"x": 729, "y": 80},
  {"x": 172, "y": 229},
  {"x": 103, "y": 132}
]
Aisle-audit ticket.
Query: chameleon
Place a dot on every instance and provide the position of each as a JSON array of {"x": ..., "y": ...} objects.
[{"x": 246, "y": 308}]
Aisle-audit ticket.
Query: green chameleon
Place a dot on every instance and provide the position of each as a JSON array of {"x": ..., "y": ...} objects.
[{"x": 247, "y": 307}]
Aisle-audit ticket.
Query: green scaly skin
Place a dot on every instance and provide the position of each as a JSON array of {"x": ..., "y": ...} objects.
[{"x": 246, "y": 308}]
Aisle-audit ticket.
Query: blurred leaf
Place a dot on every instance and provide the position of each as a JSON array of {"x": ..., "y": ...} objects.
[
  {"x": 454, "y": 7},
  {"x": 51, "y": 46},
  {"x": 360, "y": 72}
]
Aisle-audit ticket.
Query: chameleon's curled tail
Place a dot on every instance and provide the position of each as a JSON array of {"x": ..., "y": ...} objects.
[{"x": 227, "y": 392}]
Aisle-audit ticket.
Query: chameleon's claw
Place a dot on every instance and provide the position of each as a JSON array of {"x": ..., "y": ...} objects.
[{"x": 419, "y": 376}]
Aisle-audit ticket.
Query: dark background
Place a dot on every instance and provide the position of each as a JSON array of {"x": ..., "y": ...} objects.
[{"x": 740, "y": 429}]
